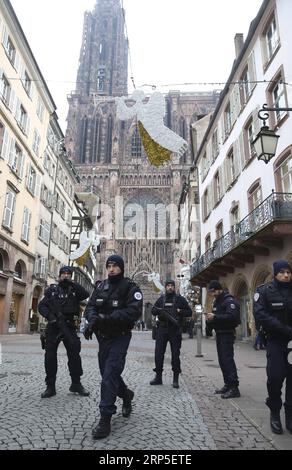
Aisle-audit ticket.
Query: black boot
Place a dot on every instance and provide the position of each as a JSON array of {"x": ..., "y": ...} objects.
[
  {"x": 231, "y": 393},
  {"x": 288, "y": 423},
  {"x": 175, "y": 380},
  {"x": 78, "y": 388},
  {"x": 157, "y": 380},
  {"x": 49, "y": 392},
  {"x": 275, "y": 421},
  {"x": 224, "y": 389},
  {"x": 103, "y": 428},
  {"x": 127, "y": 403}
]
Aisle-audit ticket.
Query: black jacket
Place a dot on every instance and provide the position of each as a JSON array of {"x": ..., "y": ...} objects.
[
  {"x": 68, "y": 297},
  {"x": 272, "y": 309},
  {"x": 122, "y": 302},
  {"x": 170, "y": 304},
  {"x": 226, "y": 313}
]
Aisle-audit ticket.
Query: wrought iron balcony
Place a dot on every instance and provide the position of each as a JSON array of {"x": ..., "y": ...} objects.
[{"x": 276, "y": 207}]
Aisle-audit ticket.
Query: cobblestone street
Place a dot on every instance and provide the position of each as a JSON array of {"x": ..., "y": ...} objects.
[{"x": 163, "y": 418}]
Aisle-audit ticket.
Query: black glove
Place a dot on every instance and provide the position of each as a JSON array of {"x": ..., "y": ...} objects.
[
  {"x": 52, "y": 319},
  {"x": 162, "y": 316},
  {"x": 89, "y": 328}
]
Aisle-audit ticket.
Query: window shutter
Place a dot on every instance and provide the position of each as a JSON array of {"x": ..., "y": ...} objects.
[
  {"x": 222, "y": 180},
  {"x": 11, "y": 156},
  {"x": 17, "y": 62},
  {"x": 227, "y": 171},
  {"x": 236, "y": 148},
  {"x": 256, "y": 121},
  {"x": 252, "y": 70},
  {"x": 16, "y": 109},
  {"x": 27, "y": 125},
  {"x": 242, "y": 151},
  {"x": 4, "y": 37},
  {"x": 5, "y": 145},
  {"x": 21, "y": 165},
  {"x": 37, "y": 189},
  {"x": 13, "y": 103}
]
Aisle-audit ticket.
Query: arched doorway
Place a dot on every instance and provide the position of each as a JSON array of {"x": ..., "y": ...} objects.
[{"x": 241, "y": 293}]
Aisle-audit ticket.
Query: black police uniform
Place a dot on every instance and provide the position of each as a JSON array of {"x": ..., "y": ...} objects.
[
  {"x": 226, "y": 317},
  {"x": 111, "y": 313},
  {"x": 169, "y": 331},
  {"x": 272, "y": 309},
  {"x": 66, "y": 297}
]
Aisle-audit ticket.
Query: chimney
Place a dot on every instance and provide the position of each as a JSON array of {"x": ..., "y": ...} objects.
[{"x": 238, "y": 42}]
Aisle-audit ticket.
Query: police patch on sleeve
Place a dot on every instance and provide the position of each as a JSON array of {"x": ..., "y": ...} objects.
[
  {"x": 256, "y": 297},
  {"x": 233, "y": 306},
  {"x": 138, "y": 296}
]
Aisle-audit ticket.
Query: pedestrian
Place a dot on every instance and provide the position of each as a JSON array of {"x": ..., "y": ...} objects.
[
  {"x": 171, "y": 309},
  {"x": 111, "y": 313},
  {"x": 142, "y": 325},
  {"x": 224, "y": 318},
  {"x": 260, "y": 340},
  {"x": 272, "y": 309},
  {"x": 60, "y": 304}
]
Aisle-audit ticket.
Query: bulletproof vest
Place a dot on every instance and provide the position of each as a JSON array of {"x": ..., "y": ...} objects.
[
  {"x": 67, "y": 300},
  {"x": 279, "y": 302},
  {"x": 219, "y": 308},
  {"x": 109, "y": 297}
]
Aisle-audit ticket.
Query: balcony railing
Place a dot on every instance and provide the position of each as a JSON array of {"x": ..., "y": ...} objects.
[{"x": 277, "y": 206}]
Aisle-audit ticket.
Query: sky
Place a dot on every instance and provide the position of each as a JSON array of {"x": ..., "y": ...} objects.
[{"x": 172, "y": 42}]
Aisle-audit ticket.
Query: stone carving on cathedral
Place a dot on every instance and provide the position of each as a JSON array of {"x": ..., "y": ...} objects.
[{"x": 158, "y": 140}]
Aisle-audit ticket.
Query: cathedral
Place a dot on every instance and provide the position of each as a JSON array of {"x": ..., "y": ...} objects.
[{"x": 136, "y": 200}]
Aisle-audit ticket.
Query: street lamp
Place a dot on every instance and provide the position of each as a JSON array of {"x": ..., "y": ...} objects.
[{"x": 265, "y": 143}]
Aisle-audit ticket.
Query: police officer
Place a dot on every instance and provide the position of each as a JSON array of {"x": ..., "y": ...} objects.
[
  {"x": 171, "y": 308},
  {"x": 59, "y": 305},
  {"x": 272, "y": 309},
  {"x": 111, "y": 313},
  {"x": 225, "y": 316}
]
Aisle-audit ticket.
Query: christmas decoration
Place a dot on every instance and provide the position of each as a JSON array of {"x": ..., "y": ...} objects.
[{"x": 158, "y": 140}]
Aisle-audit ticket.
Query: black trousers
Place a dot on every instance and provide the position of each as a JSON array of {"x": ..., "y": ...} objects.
[
  {"x": 73, "y": 347},
  {"x": 112, "y": 358},
  {"x": 173, "y": 335},
  {"x": 278, "y": 369},
  {"x": 225, "y": 350}
]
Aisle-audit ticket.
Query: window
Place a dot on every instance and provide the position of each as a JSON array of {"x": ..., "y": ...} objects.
[
  {"x": 5, "y": 90},
  {"x": 230, "y": 168},
  {"x": 219, "y": 230},
  {"x": 245, "y": 89},
  {"x": 271, "y": 38},
  {"x": 208, "y": 242},
  {"x": 22, "y": 118},
  {"x": 40, "y": 268},
  {"x": 9, "y": 49},
  {"x": 16, "y": 159},
  {"x": 36, "y": 142},
  {"x": 278, "y": 98},
  {"x": 254, "y": 195},
  {"x": 217, "y": 188},
  {"x": 100, "y": 79},
  {"x": 215, "y": 145},
  {"x": 31, "y": 180},
  {"x": 206, "y": 205},
  {"x": 40, "y": 109},
  {"x": 18, "y": 270},
  {"x": 9, "y": 208},
  {"x": 227, "y": 120},
  {"x": 284, "y": 173},
  {"x": 1, "y": 263},
  {"x": 27, "y": 84},
  {"x": 44, "y": 231},
  {"x": 136, "y": 145},
  {"x": 26, "y": 225},
  {"x": 234, "y": 217}
]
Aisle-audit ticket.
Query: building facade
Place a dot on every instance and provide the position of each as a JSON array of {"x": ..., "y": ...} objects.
[
  {"x": 136, "y": 198},
  {"x": 36, "y": 179},
  {"x": 246, "y": 205}
]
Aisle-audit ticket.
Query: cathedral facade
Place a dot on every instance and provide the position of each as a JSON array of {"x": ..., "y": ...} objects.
[{"x": 137, "y": 202}]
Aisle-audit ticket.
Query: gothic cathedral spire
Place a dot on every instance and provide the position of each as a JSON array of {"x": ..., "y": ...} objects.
[{"x": 103, "y": 62}]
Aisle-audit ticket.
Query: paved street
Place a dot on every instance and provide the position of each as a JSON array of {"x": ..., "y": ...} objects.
[{"x": 163, "y": 418}]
